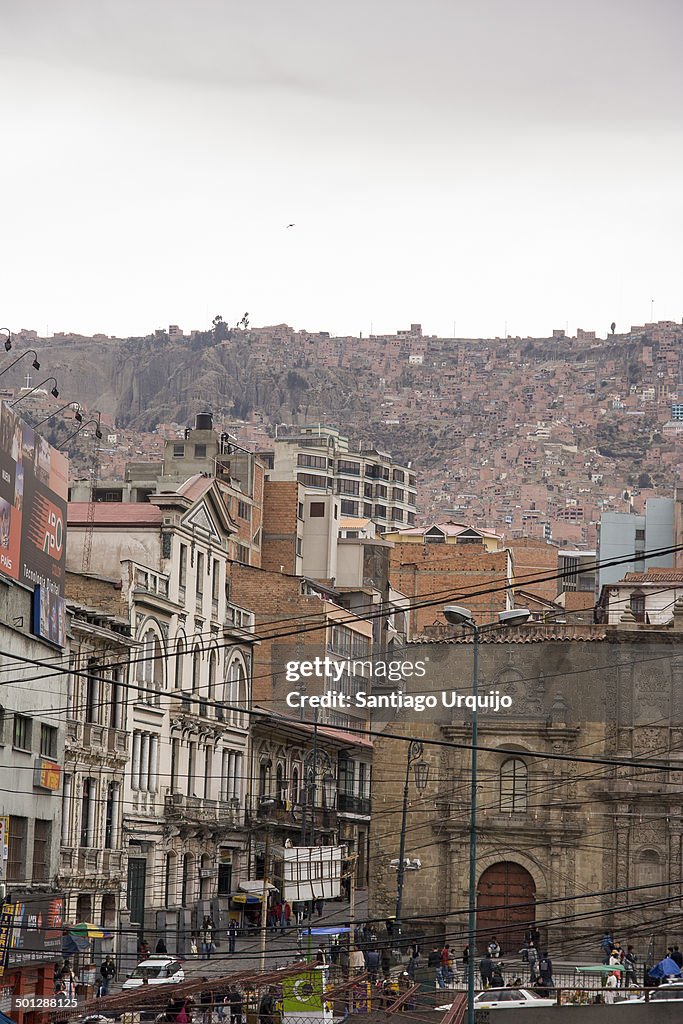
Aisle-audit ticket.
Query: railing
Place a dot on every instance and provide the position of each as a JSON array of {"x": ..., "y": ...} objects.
[
  {"x": 351, "y": 804},
  {"x": 238, "y": 619},
  {"x": 148, "y": 582},
  {"x": 197, "y": 809}
]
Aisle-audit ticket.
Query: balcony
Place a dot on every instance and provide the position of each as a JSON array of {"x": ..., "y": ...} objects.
[
  {"x": 239, "y": 622},
  {"x": 100, "y": 739},
  {"x": 347, "y": 803},
  {"x": 147, "y": 582},
  {"x": 196, "y": 810}
]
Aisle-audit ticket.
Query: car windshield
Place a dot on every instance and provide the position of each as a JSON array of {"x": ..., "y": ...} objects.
[
  {"x": 157, "y": 971},
  {"x": 530, "y": 994},
  {"x": 667, "y": 993}
]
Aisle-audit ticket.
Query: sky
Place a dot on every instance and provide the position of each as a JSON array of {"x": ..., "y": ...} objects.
[{"x": 479, "y": 168}]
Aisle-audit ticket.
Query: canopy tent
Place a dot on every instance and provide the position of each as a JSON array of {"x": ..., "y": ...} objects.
[
  {"x": 665, "y": 968},
  {"x": 600, "y": 969},
  {"x": 339, "y": 930},
  {"x": 90, "y": 931},
  {"x": 73, "y": 943},
  {"x": 256, "y": 886}
]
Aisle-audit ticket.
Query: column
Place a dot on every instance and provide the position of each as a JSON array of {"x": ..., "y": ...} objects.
[
  {"x": 66, "y": 811},
  {"x": 92, "y": 807},
  {"x": 225, "y": 762},
  {"x": 237, "y": 777},
  {"x": 135, "y": 760},
  {"x": 144, "y": 762},
  {"x": 154, "y": 764},
  {"x": 115, "y": 805}
]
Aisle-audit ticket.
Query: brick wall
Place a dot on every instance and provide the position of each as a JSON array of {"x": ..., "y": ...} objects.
[
  {"x": 449, "y": 574},
  {"x": 280, "y": 500},
  {"x": 104, "y": 595}
]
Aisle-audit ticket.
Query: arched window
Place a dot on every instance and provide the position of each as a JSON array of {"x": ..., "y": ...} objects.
[
  {"x": 196, "y": 670},
  {"x": 279, "y": 782},
  {"x": 295, "y": 786},
  {"x": 637, "y": 605},
  {"x": 150, "y": 669},
  {"x": 513, "y": 786},
  {"x": 179, "y": 652},
  {"x": 213, "y": 662},
  {"x": 236, "y": 693}
]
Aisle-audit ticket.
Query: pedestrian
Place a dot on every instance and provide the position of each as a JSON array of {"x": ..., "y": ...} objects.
[
  {"x": 357, "y": 961},
  {"x": 494, "y": 948},
  {"x": 288, "y": 915},
  {"x": 434, "y": 961},
  {"x": 335, "y": 950},
  {"x": 232, "y": 935},
  {"x": 266, "y": 1007},
  {"x": 611, "y": 983},
  {"x": 320, "y": 955},
  {"x": 143, "y": 950},
  {"x": 319, "y": 907},
  {"x": 630, "y": 959},
  {"x": 532, "y": 956},
  {"x": 466, "y": 955},
  {"x": 606, "y": 945},
  {"x": 234, "y": 998},
  {"x": 385, "y": 960},
  {"x": 67, "y": 979},
  {"x": 445, "y": 957},
  {"x": 206, "y": 1003},
  {"x": 372, "y": 964},
  {"x": 107, "y": 973},
  {"x": 486, "y": 970},
  {"x": 545, "y": 969},
  {"x": 194, "y": 945},
  {"x": 677, "y": 956},
  {"x": 160, "y": 948},
  {"x": 497, "y": 979}
]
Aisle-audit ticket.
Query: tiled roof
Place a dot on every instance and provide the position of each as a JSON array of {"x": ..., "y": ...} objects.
[
  {"x": 114, "y": 513},
  {"x": 653, "y": 575}
]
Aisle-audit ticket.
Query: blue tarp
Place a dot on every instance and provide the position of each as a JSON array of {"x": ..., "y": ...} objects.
[
  {"x": 665, "y": 968},
  {"x": 4, "y": 1019},
  {"x": 327, "y": 931}
]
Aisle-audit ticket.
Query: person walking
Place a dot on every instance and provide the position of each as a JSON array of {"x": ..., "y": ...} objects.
[
  {"x": 232, "y": 935},
  {"x": 434, "y": 961},
  {"x": 107, "y": 973},
  {"x": 545, "y": 969},
  {"x": 677, "y": 956},
  {"x": 206, "y": 1003},
  {"x": 234, "y": 998},
  {"x": 532, "y": 957},
  {"x": 611, "y": 984},
  {"x": 160, "y": 948},
  {"x": 606, "y": 945},
  {"x": 372, "y": 964},
  {"x": 486, "y": 970},
  {"x": 319, "y": 907},
  {"x": 497, "y": 979},
  {"x": 630, "y": 960},
  {"x": 266, "y": 1007}
]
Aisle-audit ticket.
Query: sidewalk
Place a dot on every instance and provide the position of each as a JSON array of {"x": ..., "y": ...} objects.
[{"x": 280, "y": 949}]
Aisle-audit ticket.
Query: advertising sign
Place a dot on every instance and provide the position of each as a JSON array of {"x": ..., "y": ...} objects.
[
  {"x": 46, "y": 774},
  {"x": 33, "y": 499},
  {"x": 4, "y": 844},
  {"x": 5, "y": 931},
  {"x": 37, "y": 928},
  {"x": 303, "y": 994}
]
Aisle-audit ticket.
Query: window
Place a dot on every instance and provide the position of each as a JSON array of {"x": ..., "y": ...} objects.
[
  {"x": 199, "y": 580},
  {"x": 48, "y": 740},
  {"x": 637, "y": 605},
  {"x": 178, "y": 451},
  {"x": 243, "y": 511},
  {"x": 242, "y": 553},
  {"x": 215, "y": 587},
  {"x": 397, "y": 494},
  {"x": 349, "y": 508},
  {"x": 175, "y": 757},
  {"x": 88, "y": 812},
  {"x": 110, "y": 815},
  {"x": 300, "y": 510},
  {"x": 380, "y": 491},
  {"x": 399, "y": 476},
  {"x": 312, "y": 461},
  {"x": 309, "y": 480},
  {"x": 380, "y": 512},
  {"x": 191, "y": 769},
  {"x": 397, "y": 515},
  {"x": 182, "y": 572},
  {"x": 348, "y": 487},
  {"x": 92, "y": 693},
  {"x": 513, "y": 786},
  {"x": 41, "y": 850},
  {"x": 200, "y": 451},
  {"x": 367, "y": 490},
  {"x": 316, "y": 510},
  {"x": 345, "y": 466},
  {"x": 640, "y": 534},
  {"x": 299, "y": 546},
  {"x": 2, "y": 725},
  {"x": 21, "y": 737},
  {"x": 16, "y": 855}
]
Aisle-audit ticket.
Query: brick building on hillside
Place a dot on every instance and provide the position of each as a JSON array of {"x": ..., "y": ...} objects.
[{"x": 443, "y": 572}]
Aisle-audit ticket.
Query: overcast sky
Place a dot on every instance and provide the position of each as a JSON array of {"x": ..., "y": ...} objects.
[{"x": 484, "y": 164}]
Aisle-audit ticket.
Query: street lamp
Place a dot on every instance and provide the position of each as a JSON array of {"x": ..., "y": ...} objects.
[
  {"x": 28, "y": 352},
  {"x": 53, "y": 390},
  {"x": 421, "y": 775},
  {"x": 98, "y": 432},
  {"x": 8, "y": 339},
  {"x": 459, "y": 616},
  {"x": 78, "y": 416}
]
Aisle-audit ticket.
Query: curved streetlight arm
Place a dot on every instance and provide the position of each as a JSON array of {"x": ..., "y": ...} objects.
[
  {"x": 69, "y": 405},
  {"x": 54, "y": 391},
  {"x": 98, "y": 432},
  {"x": 8, "y": 339},
  {"x": 28, "y": 352}
]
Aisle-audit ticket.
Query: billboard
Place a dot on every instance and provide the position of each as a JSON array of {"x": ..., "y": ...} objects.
[
  {"x": 309, "y": 872},
  {"x": 37, "y": 930},
  {"x": 33, "y": 501}
]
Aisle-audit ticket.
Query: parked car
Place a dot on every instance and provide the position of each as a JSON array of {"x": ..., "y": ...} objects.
[
  {"x": 509, "y": 998},
  {"x": 156, "y": 970}
]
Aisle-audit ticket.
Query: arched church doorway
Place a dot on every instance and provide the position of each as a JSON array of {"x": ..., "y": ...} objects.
[{"x": 506, "y": 897}]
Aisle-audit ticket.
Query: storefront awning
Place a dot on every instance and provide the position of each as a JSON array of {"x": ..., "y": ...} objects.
[{"x": 256, "y": 886}]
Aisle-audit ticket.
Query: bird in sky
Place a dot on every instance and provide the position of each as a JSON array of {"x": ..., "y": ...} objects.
[{"x": 291, "y": 225}]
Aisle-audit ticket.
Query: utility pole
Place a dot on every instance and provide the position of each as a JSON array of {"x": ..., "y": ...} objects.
[{"x": 264, "y": 903}]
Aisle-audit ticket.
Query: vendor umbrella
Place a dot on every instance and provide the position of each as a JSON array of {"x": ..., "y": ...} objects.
[{"x": 87, "y": 930}]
